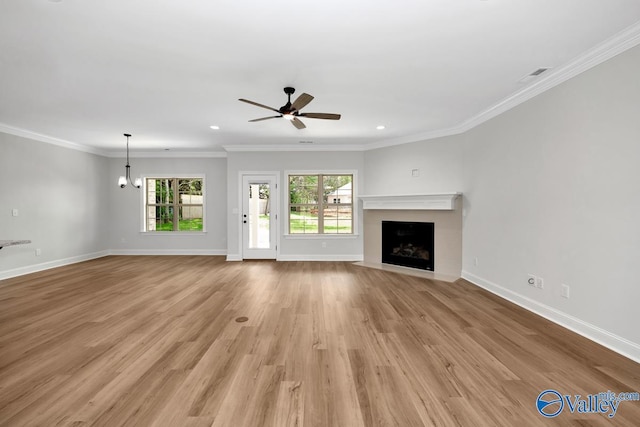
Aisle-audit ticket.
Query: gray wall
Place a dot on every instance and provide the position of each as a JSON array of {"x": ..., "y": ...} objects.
[
  {"x": 126, "y": 236},
  {"x": 62, "y": 199},
  {"x": 310, "y": 248},
  {"x": 439, "y": 162},
  {"x": 551, "y": 188}
]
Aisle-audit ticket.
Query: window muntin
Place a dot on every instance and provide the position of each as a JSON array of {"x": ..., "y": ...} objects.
[
  {"x": 321, "y": 204},
  {"x": 174, "y": 204}
]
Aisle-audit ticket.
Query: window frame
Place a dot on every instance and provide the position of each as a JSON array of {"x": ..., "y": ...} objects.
[
  {"x": 320, "y": 234},
  {"x": 176, "y": 205}
]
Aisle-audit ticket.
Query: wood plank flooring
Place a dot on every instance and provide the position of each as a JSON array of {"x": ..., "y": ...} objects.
[{"x": 153, "y": 341}]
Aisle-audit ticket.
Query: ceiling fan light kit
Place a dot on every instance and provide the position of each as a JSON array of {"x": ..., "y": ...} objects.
[{"x": 291, "y": 111}]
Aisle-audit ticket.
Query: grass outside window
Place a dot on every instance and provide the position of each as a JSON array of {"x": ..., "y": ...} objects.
[{"x": 320, "y": 204}]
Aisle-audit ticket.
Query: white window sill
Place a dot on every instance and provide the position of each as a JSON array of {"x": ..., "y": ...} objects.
[
  {"x": 173, "y": 233},
  {"x": 321, "y": 236}
]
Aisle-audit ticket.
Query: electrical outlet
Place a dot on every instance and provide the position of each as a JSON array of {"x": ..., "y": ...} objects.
[
  {"x": 565, "y": 291},
  {"x": 415, "y": 173},
  {"x": 531, "y": 280},
  {"x": 475, "y": 261},
  {"x": 14, "y": 212},
  {"x": 539, "y": 282},
  {"x": 38, "y": 252}
]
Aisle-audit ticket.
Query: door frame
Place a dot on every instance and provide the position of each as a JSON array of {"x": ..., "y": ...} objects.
[{"x": 274, "y": 201}]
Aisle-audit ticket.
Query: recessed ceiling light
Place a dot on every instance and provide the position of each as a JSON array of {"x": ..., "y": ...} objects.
[
  {"x": 380, "y": 127},
  {"x": 214, "y": 127}
]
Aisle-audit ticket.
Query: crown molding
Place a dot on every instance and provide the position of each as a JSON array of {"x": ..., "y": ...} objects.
[
  {"x": 50, "y": 140},
  {"x": 424, "y": 136},
  {"x": 300, "y": 147},
  {"x": 167, "y": 154},
  {"x": 620, "y": 42}
]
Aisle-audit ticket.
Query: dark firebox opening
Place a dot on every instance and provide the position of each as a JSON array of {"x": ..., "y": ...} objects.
[{"x": 409, "y": 244}]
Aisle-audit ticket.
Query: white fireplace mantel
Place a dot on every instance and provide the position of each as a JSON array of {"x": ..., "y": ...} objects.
[{"x": 439, "y": 201}]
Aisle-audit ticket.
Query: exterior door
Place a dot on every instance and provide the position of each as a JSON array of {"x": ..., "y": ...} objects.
[{"x": 259, "y": 216}]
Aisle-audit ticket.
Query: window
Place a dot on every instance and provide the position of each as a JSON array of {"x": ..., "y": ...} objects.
[
  {"x": 174, "y": 204},
  {"x": 320, "y": 204}
]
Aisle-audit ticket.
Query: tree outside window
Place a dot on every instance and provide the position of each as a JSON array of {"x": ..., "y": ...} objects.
[
  {"x": 321, "y": 204},
  {"x": 174, "y": 204}
]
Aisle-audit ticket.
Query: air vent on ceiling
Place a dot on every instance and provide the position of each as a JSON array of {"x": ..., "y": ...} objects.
[
  {"x": 305, "y": 142},
  {"x": 534, "y": 74}
]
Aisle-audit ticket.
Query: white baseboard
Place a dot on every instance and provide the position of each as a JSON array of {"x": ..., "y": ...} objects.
[
  {"x": 349, "y": 258},
  {"x": 21, "y": 271},
  {"x": 234, "y": 257},
  {"x": 168, "y": 252},
  {"x": 594, "y": 333}
]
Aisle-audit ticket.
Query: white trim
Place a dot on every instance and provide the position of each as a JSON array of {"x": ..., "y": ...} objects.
[
  {"x": 436, "y": 201},
  {"x": 295, "y": 147},
  {"x": 234, "y": 257},
  {"x": 338, "y": 257},
  {"x": 173, "y": 233},
  {"x": 134, "y": 252},
  {"x": 21, "y": 271},
  {"x": 424, "y": 136},
  {"x": 166, "y": 154},
  {"x": 594, "y": 333},
  {"x": 24, "y": 133},
  {"x": 302, "y": 236}
]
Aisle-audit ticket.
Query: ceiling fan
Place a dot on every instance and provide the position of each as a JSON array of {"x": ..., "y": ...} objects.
[{"x": 292, "y": 111}]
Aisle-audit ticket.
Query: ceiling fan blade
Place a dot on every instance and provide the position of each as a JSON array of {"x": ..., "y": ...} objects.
[
  {"x": 258, "y": 105},
  {"x": 327, "y": 116},
  {"x": 297, "y": 123},
  {"x": 301, "y": 101},
  {"x": 264, "y": 118}
]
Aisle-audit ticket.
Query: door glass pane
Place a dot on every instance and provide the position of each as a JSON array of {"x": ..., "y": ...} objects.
[{"x": 259, "y": 216}]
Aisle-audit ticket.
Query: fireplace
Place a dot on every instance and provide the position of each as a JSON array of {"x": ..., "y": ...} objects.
[{"x": 409, "y": 244}]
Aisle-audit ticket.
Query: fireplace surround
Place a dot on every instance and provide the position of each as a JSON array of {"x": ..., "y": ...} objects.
[{"x": 443, "y": 210}]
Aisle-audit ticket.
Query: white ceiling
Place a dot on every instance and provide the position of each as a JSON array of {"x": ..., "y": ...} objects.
[{"x": 86, "y": 72}]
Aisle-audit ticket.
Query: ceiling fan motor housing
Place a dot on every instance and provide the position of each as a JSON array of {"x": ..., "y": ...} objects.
[{"x": 286, "y": 108}]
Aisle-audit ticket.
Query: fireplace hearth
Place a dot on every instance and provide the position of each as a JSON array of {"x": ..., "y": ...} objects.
[{"x": 408, "y": 244}]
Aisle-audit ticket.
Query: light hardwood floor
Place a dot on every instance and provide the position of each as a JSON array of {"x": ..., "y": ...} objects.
[{"x": 153, "y": 341}]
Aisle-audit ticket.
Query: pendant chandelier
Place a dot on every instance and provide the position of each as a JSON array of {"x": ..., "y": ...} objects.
[{"x": 122, "y": 181}]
